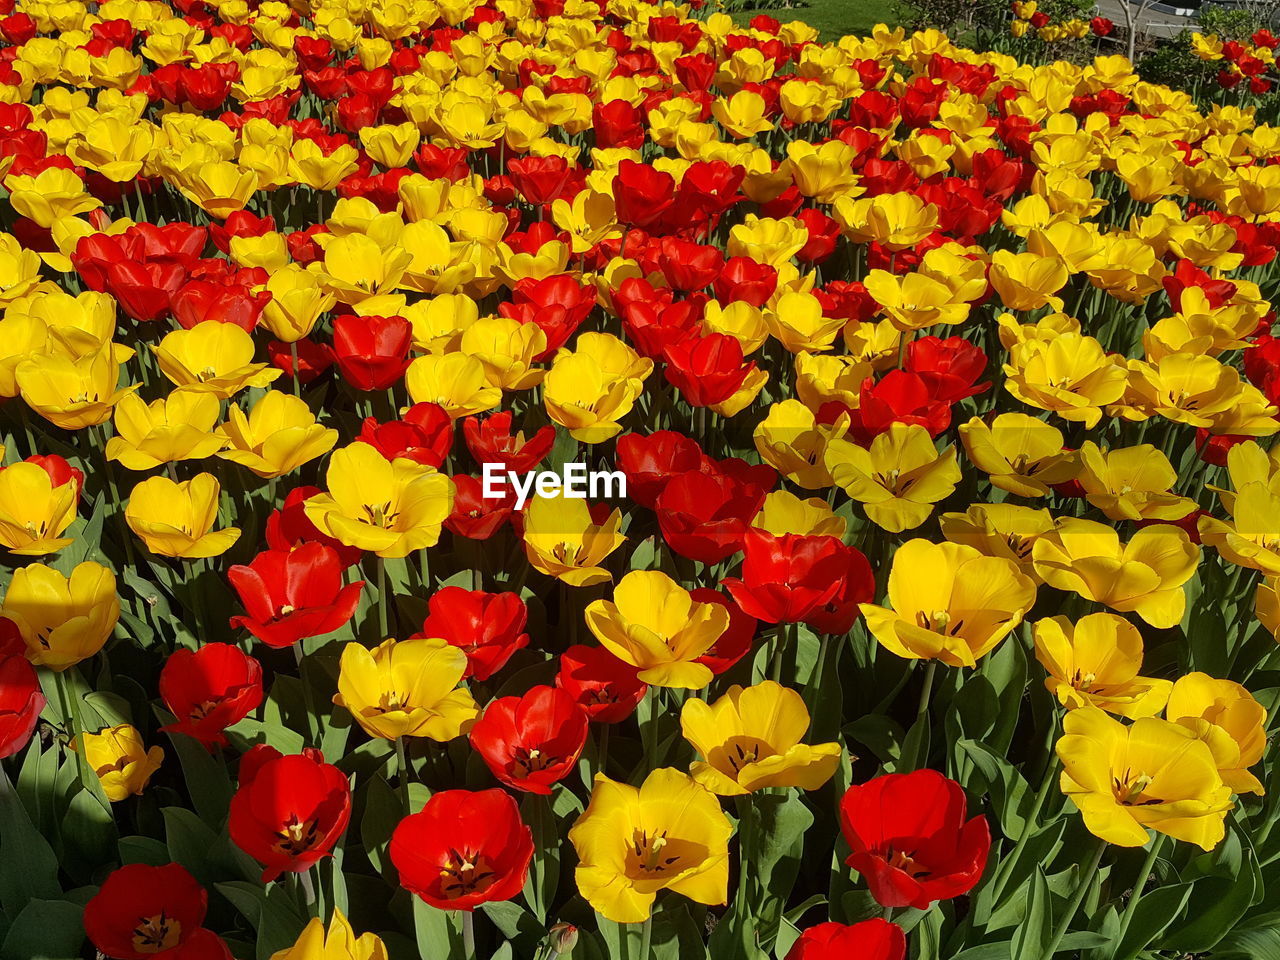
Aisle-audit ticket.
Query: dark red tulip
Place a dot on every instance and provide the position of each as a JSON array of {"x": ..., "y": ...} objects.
[
  {"x": 463, "y": 849},
  {"x": 20, "y": 698},
  {"x": 641, "y": 193},
  {"x": 950, "y": 368},
  {"x": 143, "y": 912},
  {"x": 910, "y": 839},
  {"x": 209, "y": 689},
  {"x": 487, "y": 627},
  {"x": 533, "y": 741},
  {"x": 292, "y": 594},
  {"x": 59, "y": 470},
  {"x": 289, "y": 810},
  {"x": 650, "y": 462},
  {"x": 312, "y": 359},
  {"x": 735, "y": 643},
  {"x": 474, "y": 515},
  {"x": 601, "y": 684},
  {"x": 704, "y": 516}
]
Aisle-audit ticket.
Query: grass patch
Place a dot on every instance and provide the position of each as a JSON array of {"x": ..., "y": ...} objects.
[{"x": 834, "y": 18}]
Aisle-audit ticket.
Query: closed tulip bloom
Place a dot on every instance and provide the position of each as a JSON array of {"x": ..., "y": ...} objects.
[
  {"x": 1131, "y": 483},
  {"x": 1020, "y": 454},
  {"x": 121, "y": 760},
  {"x": 507, "y": 349},
  {"x": 1152, "y": 774},
  {"x": 297, "y": 302},
  {"x": 874, "y": 939},
  {"x": 1144, "y": 576},
  {"x": 177, "y": 519},
  {"x": 910, "y": 838},
  {"x": 51, "y": 195},
  {"x": 782, "y": 512},
  {"x": 898, "y": 479},
  {"x": 339, "y": 943},
  {"x": 210, "y": 689},
  {"x": 34, "y": 512},
  {"x": 798, "y": 323},
  {"x": 653, "y": 624},
  {"x": 292, "y": 594},
  {"x": 632, "y": 843},
  {"x": 606, "y": 688},
  {"x": 463, "y": 849},
  {"x": 406, "y": 688},
  {"x": 212, "y": 356},
  {"x": 531, "y": 742},
  {"x": 1095, "y": 662},
  {"x": 390, "y": 145},
  {"x": 62, "y": 619},
  {"x": 387, "y": 507},
  {"x": 72, "y": 393},
  {"x": 487, "y": 627},
  {"x": 584, "y": 396},
  {"x": 278, "y": 436},
  {"x": 289, "y": 810},
  {"x": 176, "y": 427},
  {"x": 1226, "y": 716},
  {"x": 562, "y": 540},
  {"x": 456, "y": 382},
  {"x": 372, "y": 352},
  {"x": 749, "y": 740},
  {"x": 949, "y": 602}
]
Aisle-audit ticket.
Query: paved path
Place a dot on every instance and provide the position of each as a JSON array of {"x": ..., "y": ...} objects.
[{"x": 1160, "y": 20}]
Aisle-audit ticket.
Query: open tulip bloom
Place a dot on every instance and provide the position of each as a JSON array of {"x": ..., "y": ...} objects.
[{"x": 637, "y": 480}]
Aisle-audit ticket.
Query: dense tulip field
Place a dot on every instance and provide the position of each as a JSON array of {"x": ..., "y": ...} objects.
[{"x": 590, "y": 478}]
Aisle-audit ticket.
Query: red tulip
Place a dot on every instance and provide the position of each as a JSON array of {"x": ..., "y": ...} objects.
[
  {"x": 200, "y": 300},
  {"x": 209, "y": 689},
  {"x": 371, "y": 352},
  {"x": 240, "y": 223},
  {"x": 823, "y": 236},
  {"x": 558, "y": 304},
  {"x": 289, "y": 810},
  {"x": 292, "y": 594},
  {"x": 143, "y": 912},
  {"x": 650, "y": 462},
  {"x": 950, "y": 368},
  {"x": 618, "y": 124},
  {"x": 491, "y": 441},
  {"x": 898, "y": 397},
  {"x": 539, "y": 179},
  {"x": 603, "y": 686},
  {"x": 474, "y": 515},
  {"x": 875, "y": 939},
  {"x": 20, "y": 698},
  {"x": 704, "y": 516},
  {"x": 642, "y": 194},
  {"x": 735, "y": 643},
  {"x": 746, "y": 279},
  {"x": 793, "y": 579},
  {"x": 487, "y": 627},
  {"x": 312, "y": 359},
  {"x": 463, "y": 849},
  {"x": 1101, "y": 26},
  {"x": 288, "y": 527},
  {"x": 910, "y": 839},
  {"x": 531, "y": 742},
  {"x": 424, "y": 434},
  {"x": 695, "y": 71},
  {"x": 59, "y": 470},
  {"x": 708, "y": 369},
  {"x": 689, "y": 266}
]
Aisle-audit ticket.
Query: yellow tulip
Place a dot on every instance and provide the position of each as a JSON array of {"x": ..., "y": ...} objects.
[
  {"x": 212, "y": 356},
  {"x": 589, "y": 389},
  {"x": 176, "y": 427},
  {"x": 1021, "y": 454},
  {"x": 51, "y": 195},
  {"x": 1144, "y": 576},
  {"x": 896, "y": 221},
  {"x": 790, "y": 439},
  {"x": 220, "y": 188},
  {"x": 915, "y": 301},
  {"x": 121, "y": 760},
  {"x": 1095, "y": 662},
  {"x": 406, "y": 688},
  {"x": 784, "y": 513},
  {"x": 456, "y": 382},
  {"x": 297, "y": 301},
  {"x": 62, "y": 619},
  {"x": 653, "y": 624},
  {"x": 72, "y": 393},
  {"x": 176, "y": 519},
  {"x": 278, "y": 436},
  {"x": 949, "y": 602},
  {"x": 1025, "y": 281},
  {"x": 507, "y": 349},
  {"x": 562, "y": 541},
  {"x": 1000, "y": 530},
  {"x": 750, "y": 740},
  {"x": 1131, "y": 483},
  {"x": 356, "y": 267},
  {"x": 341, "y": 942},
  {"x": 1152, "y": 774},
  {"x": 388, "y": 507},
  {"x": 798, "y": 323},
  {"x": 1070, "y": 375},
  {"x": 390, "y": 145},
  {"x": 1225, "y": 716},
  {"x": 33, "y": 512},
  {"x": 898, "y": 479},
  {"x": 667, "y": 834}
]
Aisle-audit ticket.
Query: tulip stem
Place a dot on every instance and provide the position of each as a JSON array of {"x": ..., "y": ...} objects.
[
  {"x": 75, "y": 727},
  {"x": 402, "y": 774},
  {"x": 646, "y": 938},
  {"x": 468, "y": 934},
  {"x": 380, "y": 573},
  {"x": 307, "y": 698},
  {"x": 1143, "y": 874},
  {"x": 930, "y": 671},
  {"x": 1029, "y": 827},
  {"x": 1087, "y": 873},
  {"x": 293, "y": 362}
]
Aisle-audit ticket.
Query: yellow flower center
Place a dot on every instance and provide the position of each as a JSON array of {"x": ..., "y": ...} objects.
[
  {"x": 1130, "y": 790},
  {"x": 153, "y": 934},
  {"x": 381, "y": 514},
  {"x": 464, "y": 874},
  {"x": 901, "y": 860},
  {"x": 297, "y": 837},
  {"x": 939, "y": 621}
]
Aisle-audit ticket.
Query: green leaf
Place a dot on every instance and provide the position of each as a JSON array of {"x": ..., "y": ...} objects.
[
  {"x": 1155, "y": 911},
  {"x": 1036, "y": 929},
  {"x": 45, "y": 930},
  {"x": 28, "y": 865},
  {"x": 273, "y": 913},
  {"x": 544, "y": 870},
  {"x": 208, "y": 782},
  {"x": 88, "y": 833},
  {"x": 382, "y": 811}
]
